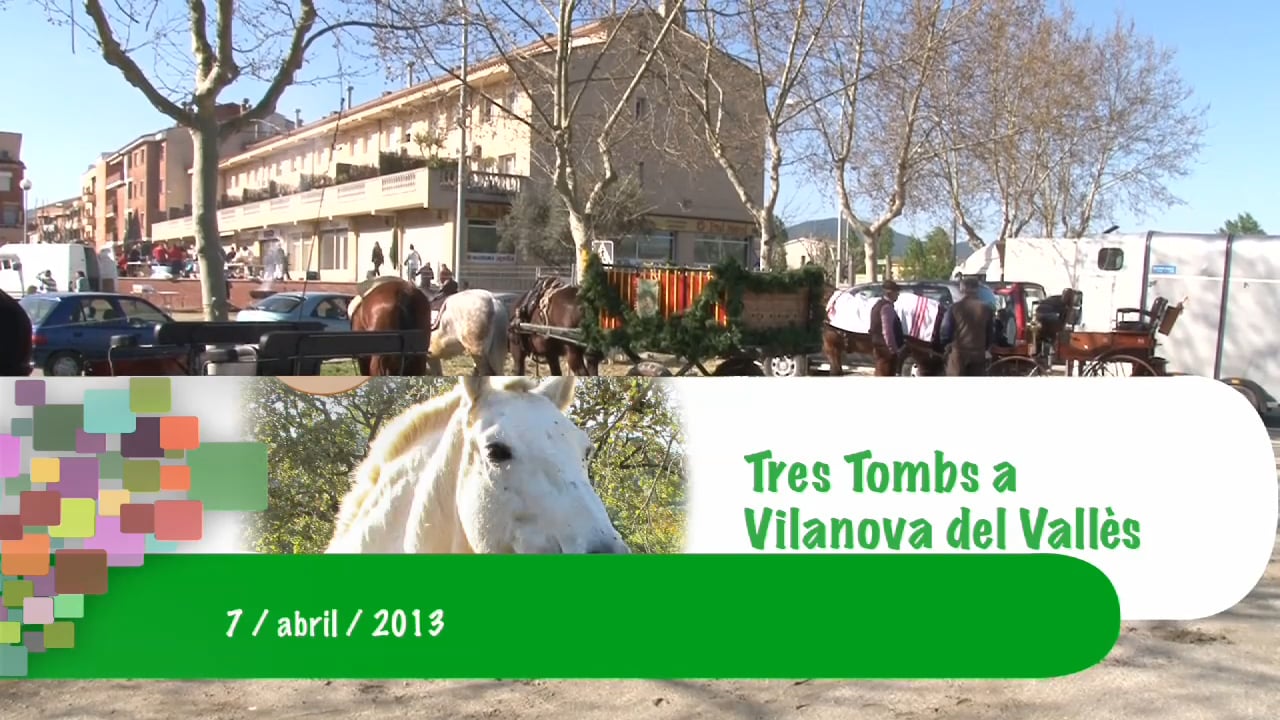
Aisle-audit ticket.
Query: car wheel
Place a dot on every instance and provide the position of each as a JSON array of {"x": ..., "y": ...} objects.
[
  {"x": 64, "y": 365},
  {"x": 786, "y": 366}
]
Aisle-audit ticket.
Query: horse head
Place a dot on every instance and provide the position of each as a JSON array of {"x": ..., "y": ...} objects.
[{"x": 523, "y": 484}]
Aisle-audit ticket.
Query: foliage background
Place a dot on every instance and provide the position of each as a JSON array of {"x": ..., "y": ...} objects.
[{"x": 315, "y": 443}]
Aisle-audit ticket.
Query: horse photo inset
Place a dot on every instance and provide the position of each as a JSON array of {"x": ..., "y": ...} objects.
[{"x": 470, "y": 465}]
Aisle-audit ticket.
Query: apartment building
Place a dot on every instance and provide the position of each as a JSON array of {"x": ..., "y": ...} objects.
[
  {"x": 385, "y": 171},
  {"x": 56, "y": 222},
  {"x": 12, "y": 198},
  {"x": 125, "y": 193}
]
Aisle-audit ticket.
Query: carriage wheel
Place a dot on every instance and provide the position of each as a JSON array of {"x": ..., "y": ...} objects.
[
  {"x": 648, "y": 369},
  {"x": 1119, "y": 365},
  {"x": 1015, "y": 366}
]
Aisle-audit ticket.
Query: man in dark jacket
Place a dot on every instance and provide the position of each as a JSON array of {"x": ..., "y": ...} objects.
[
  {"x": 888, "y": 340},
  {"x": 969, "y": 330}
]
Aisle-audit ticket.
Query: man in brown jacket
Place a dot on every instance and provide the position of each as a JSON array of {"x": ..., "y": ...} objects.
[
  {"x": 969, "y": 331},
  {"x": 888, "y": 340}
]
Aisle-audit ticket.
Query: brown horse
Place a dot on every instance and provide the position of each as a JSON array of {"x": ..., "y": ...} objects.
[
  {"x": 554, "y": 304},
  {"x": 927, "y": 356},
  {"x": 15, "y": 338},
  {"x": 391, "y": 304}
]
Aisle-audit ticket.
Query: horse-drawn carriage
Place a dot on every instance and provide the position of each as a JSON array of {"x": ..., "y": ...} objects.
[
  {"x": 1049, "y": 337},
  {"x": 756, "y": 323}
]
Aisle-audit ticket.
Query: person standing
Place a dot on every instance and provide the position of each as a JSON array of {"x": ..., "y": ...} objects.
[
  {"x": 82, "y": 282},
  {"x": 412, "y": 264},
  {"x": 888, "y": 339},
  {"x": 377, "y": 259},
  {"x": 968, "y": 329}
]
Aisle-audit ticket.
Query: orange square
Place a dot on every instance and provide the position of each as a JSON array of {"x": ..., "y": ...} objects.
[
  {"x": 175, "y": 477},
  {"x": 28, "y": 556},
  {"x": 179, "y": 433}
]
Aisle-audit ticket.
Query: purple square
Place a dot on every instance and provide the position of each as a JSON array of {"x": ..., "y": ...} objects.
[
  {"x": 43, "y": 584},
  {"x": 123, "y": 549},
  {"x": 4, "y": 613},
  {"x": 144, "y": 441},
  {"x": 79, "y": 477},
  {"x": 90, "y": 443},
  {"x": 33, "y": 641},
  {"x": 10, "y": 456},
  {"x": 28, "y": 392}
]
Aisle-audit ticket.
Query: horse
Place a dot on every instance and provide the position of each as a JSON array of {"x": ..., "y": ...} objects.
[
  {"x": 391, "y": 304},
  {"x": 492, "y": 467},
  {"x": 552, "y": 303},
  {"x": 927, "y": 355},
  {"x": 15, "y": 329},
  {"x": 474, "y": 323}
]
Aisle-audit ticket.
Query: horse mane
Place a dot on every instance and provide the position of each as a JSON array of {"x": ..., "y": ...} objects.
[{"x": 398, "y": 436}]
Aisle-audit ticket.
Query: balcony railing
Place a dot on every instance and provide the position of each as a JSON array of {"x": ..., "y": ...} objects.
[{"x": 278, "y": 204}]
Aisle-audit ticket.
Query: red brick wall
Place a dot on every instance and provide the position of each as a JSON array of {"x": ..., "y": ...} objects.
[{"x": 187, "y": 297}]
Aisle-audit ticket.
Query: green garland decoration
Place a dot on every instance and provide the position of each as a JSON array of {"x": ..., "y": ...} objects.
[{"x": 695, "y": 335}]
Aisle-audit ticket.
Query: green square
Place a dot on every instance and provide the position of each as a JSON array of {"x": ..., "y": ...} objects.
[
  {"x": 15, "y": 615},
  {"x": 142, "y": 475},
  {"x": 15, "y": 591},
  {"x": 110, "y": 466},
  {"x": 34, "y": 530},
  {"x": 68, "y": 606},
  {"x": 10, "y": 633},
  {"x": 150, "y": 395},
  {"x": 18, "y": 485},
  {"x": 229, "y": 476},
  {"x": 60, "y": 636},
  {"x": 22, "y": 427},
  {"x": 55, "y": 427},
  {"x": 174, "y": 454}
]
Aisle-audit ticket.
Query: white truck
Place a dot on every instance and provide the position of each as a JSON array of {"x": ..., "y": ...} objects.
[
  {"x": 20, "y": 263},
  {"x": 1231, "y": 285}
]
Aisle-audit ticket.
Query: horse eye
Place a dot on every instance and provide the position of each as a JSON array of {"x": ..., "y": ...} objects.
[{"x": 498, "y": 452}]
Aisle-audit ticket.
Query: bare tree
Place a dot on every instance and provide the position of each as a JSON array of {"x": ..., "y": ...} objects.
[
  {"x": 874, "y": 136},
  {"x": 740, "y": 86},
  {"x": 266, "y": 41},
  {"x": 1051, "y": 128},
  {"x": 575, "y": 68}
]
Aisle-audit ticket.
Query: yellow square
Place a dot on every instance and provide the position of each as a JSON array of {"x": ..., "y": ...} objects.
[
  {"x": 79, "y": 519},
  {"x": 109, "y": 502},
  {"x": 45, "y": 470},
  {"x": 10, "y": 633}
]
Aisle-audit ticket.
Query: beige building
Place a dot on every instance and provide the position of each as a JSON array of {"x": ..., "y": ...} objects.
[
  {"x": 386, "y": 171},
  {"x": 57, "y": 222}
]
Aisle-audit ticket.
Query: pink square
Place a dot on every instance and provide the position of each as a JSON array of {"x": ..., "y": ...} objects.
[{"x": 37, "y": 611}]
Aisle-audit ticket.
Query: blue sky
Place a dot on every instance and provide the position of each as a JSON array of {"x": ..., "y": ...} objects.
[{"x": 70, "y": 107}]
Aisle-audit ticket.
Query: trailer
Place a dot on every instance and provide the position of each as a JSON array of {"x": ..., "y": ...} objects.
[{"x": 1228, "y": 286}]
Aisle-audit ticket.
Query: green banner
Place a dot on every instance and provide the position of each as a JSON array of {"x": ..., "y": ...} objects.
[{"x": 591, "y": 616}]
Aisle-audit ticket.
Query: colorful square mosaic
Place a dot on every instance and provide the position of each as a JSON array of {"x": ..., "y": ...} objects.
[{"x": 71, "y": 509}]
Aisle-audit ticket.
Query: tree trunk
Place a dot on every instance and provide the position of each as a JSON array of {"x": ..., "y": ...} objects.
[
  {"x": 870, "y": 255},
  {"x": 204, "y": 209},
  {"x": 581, "y": 244}
]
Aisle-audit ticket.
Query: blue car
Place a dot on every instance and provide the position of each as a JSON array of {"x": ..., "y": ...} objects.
[
  {"x": 71, "y": 331},
  {"x": 329, "y": 308}
]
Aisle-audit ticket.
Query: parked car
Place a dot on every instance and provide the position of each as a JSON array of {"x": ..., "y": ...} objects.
[
  {"x": 329, "y": 308},
  {"x": 945, "y": 292},
  {"x": 73, "y": 330}
]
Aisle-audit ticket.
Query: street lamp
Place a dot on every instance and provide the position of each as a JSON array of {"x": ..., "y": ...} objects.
[{"x": 26, "y": 191}]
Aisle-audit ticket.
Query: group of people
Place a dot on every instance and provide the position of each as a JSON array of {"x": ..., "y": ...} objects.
[
  {"x": 968, "y": 333},
  {"x": 417, "y": 271}
]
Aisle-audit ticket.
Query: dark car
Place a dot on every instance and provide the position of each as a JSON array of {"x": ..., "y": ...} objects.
[{"x": 72, "y": 330}]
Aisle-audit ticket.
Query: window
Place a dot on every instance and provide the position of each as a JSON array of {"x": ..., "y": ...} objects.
[
  {"x": 507, "y": 164},
  {"x": 642, "y": 108},
  {"x": 712, "y": 250},
  {"x": 282, "y": 304},
  {"x": 38, "y": 308},
  {"x": 95, "y": 311},
  {"x": 656, "y": 247},
  {"x": 6, "y": 182},
  {"x": 299, "y": 252},
  {"x": 513, "y": 99},
  {"x": 330, "y": 309},
  {"x": 137, "y": 311},
  {"x": 333, "y": 250},
  {"x": 482, "y": 237},
  {"x": 489, "y": 110},
  {"x": 1110, "y": 259},
  {"x": 12, "y": 216}
]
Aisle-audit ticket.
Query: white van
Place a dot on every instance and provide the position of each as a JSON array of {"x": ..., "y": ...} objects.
[{"x": 20, "y": 263}]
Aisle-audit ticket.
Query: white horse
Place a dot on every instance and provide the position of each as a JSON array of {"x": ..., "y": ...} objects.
[
  {"x": 474, "y": 323},
  {"x": 493, "y": 466}
]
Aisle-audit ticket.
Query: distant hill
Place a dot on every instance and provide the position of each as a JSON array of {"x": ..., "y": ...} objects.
[{"x": 826, "y": 227}]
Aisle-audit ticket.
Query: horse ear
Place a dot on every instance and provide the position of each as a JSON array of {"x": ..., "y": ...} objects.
[
  {"x": 559, "y": 390},
  {"x": 473, "y": 387}
]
